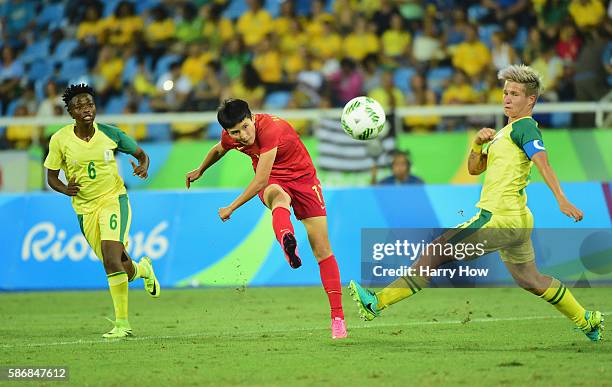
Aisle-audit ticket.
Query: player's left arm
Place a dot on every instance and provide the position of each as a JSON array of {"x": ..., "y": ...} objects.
[
  {"x": 259, "y": 182},
  {"x": 127, "y": 145},
  {"x": 142, "y": 169},
  {"x": 527, "y": 136},
  {"x": 540, "y": 159}
]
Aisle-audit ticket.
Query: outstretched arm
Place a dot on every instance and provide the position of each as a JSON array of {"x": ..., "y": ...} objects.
[
  {"x": 550, "y": 177},
  {"x": 214, "y": 154},
  {"x": 259, "y": 182}
]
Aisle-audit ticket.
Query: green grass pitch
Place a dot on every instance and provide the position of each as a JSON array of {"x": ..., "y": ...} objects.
[{"x": 281, "y": 336}]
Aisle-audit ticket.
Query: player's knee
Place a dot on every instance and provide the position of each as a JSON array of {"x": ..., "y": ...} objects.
[
  {"x": 276, "y": 196},
  {"x": 527, "y": 281},
  {"x": 112, "y": 258},
  {"x": 113, "y": 265},
  {"x": 321, "y": 251}
]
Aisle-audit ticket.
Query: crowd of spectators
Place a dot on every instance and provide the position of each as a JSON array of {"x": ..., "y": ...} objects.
[{"x": 176, "y": 56}]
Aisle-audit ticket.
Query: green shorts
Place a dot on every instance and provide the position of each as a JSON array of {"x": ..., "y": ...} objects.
[{"x": 109, "y": 222}]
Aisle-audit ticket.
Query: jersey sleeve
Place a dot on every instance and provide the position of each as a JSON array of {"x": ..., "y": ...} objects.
[
  {"x": 268, "y": 133},
  {"x": 54, "y": 158},
  {"x": 125, "y": 143},
  {"x": 527, "y": 136}
]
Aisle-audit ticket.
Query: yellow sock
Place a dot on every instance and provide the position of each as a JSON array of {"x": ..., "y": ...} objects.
[
  {"x": 561, "y": 298},
  {"x": 118, "y": 284},
  {"x": 139, "y": 271},
  {"x": 399, "y": 289}
]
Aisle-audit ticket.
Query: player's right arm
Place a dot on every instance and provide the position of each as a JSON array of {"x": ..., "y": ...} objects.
[
  {"x": 54, "y": 182},
  {"x": 214, "y": 154},
  {"x": 477, "y": 162},
  {"x": 53, "y": 163}
]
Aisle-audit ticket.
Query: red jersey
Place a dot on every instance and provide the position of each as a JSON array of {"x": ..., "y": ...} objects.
[{"x": 292, "y": 159}]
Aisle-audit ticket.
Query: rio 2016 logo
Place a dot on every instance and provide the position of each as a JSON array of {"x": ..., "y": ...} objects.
[{"x": 44, "y": 241}]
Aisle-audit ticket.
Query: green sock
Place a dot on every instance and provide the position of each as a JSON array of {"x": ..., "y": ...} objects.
[{"x": 118, "y": 285}]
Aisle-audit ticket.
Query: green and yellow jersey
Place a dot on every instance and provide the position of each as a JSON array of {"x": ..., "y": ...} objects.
[
  {"x": 91, "y": 163},
  {"x": 508, "y": 167}
]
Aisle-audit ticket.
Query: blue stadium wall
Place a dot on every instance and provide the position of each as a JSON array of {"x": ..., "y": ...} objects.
[{"x": 42, "y": 247}]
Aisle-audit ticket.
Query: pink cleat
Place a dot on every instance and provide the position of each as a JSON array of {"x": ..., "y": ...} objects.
[{"x": 338, "y": 328}]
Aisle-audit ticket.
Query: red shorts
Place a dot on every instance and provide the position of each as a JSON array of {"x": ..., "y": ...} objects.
[{"x": 306, "y": 196}]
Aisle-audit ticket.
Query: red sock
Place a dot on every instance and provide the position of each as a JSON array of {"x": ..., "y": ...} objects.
[
  {"x": 330, "y": 278},
  {"x": 281, "y": 222}
]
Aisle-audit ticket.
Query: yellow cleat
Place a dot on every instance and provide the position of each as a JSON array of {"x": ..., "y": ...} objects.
[
  {"x": 121, "y": 330},
  {"x": 150, "y": 281},
  {"x": 595, "y": 325}
]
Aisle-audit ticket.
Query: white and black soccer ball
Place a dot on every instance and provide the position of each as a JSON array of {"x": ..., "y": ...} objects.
[{"x": 363, "y": 118}]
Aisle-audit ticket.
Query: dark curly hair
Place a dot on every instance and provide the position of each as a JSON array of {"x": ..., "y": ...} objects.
[{"x": 74, "y": 90}]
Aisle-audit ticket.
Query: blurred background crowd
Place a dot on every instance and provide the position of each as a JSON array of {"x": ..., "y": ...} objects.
[{"x": 180, "y": 56}]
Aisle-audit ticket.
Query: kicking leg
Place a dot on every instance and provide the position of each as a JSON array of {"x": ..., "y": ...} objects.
[
  {"x": 554, "y": 292},
  {"x": 142, "y": 269},
  {"x": 316, "y": 228},
  {"x": 370, "y": 304},
  {"x": 279, "y": 201}
]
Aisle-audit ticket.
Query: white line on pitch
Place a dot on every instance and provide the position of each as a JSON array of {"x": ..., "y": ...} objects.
[{"x": 274, "y": 331}]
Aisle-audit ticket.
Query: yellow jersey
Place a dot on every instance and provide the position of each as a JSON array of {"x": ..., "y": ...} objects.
[
  {"x": 91, "y": 163},
  {"x": 508, "y": 167}
]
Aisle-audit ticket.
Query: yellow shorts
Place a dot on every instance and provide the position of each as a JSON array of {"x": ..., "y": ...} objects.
[
  {"x": 508, "y": 234},
  {"x": 109, "y": 222}
]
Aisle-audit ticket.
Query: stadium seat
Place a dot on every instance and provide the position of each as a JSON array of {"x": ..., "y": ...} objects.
[
  {"x": 437, "y": 77},
  {"x": 130, "y": 69},
  {"x": 144, "y": 5},
  {"x": 521, "y": 39},
  {"x": 73, "y": 69},
  {"x": 109, "y": 7},
  {"x": 41, "y": 68},
  {"x": 402, "y": 78},
  {"x": 163, "y": 64},
  {"x": 476, "y": 12},
  {"x": 277, "y": 100},
  {"x": 40, "y": 86},
  {"x": 2, "y": 128},
  {"x": 561, "y": 120},
  {"x": 144, "y": 106},
  {"x": 10, "y": 108},
  {"x": 115, "y": 105},
  {"x": 64, "y": 49},
  {"x": 302, "y": 7},
  {"x": 159, "y": 132},
  {"x": 214, "y": 130},
  {"x": 37, "y": 50},
  {"x": 273, "y": 7},
  {"x": 485, "y": 32},
  {"x": 52, "y": 16},
  {"x": 235, "y": 9}
]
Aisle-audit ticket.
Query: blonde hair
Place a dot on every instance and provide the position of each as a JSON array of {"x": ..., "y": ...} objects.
[{"x": 524, "y": 75}]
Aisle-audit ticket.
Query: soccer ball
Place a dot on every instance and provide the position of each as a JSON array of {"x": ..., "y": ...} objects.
[{"x": 363, "y": 118}]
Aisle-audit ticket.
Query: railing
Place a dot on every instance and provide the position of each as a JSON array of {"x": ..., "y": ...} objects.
[{"x": 599, "y": 108}]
